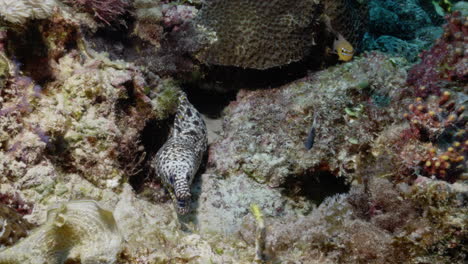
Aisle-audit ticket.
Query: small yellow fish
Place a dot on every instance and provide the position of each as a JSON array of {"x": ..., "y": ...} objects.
[{"x": 343, "y": 48}]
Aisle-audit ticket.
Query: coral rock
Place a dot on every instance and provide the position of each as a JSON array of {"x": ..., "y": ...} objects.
[
  {"x": 446, "y": 62},
  {"x": 75, "y": 231},
  {"x": 265, "y": 131},
  {"x": 12, "y": 226}
]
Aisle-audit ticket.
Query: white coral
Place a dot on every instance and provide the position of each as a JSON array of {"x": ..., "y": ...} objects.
[
  {"x": 19, "y": 11},
  {"x": 42, "y": 8},
  {"x": 15, "y": 11}
]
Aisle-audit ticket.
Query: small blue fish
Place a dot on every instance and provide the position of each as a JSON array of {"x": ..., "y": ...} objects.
[{"x": 311, "y": 137}]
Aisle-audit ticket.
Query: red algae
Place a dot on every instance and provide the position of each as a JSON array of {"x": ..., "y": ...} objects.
[{"x": 445, "y": 62}]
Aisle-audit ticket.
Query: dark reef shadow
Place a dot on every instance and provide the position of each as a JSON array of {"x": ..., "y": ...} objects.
[
  {"x": 315, "y": 186},
  {"x": 153, "y": 137}
]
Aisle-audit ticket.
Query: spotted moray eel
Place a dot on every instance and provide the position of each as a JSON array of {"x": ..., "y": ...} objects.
[{"x": 179, "y": 158}]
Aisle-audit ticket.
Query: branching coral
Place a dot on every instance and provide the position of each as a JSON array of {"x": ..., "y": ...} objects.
[{"x": 447, "y": 165}]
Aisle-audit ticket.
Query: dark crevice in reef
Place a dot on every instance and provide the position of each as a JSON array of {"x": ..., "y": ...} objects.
[
  {"x": 152, "y": 138},
  {"x": 315, "y": 186},
  {"x": 117, "y": 41},
  {"x": 209, "y": 103},
  {"x": 58, "y": 152},
  {"x": 123, "y": 104},
  {"x": 233, "y": 78},
  {"x": 30, "y": 52}
]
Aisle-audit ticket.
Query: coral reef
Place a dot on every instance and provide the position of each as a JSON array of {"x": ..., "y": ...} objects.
[
  {"x": 273, "y": 33},
  {"x": 436, "y": 116},
  {"x": 82, "y": 121},
  {"x": 382, "y": 178},
  {"x": 445, "y": 64},
  {"x": 15, "y": 202},
  {"x": 265, "y": 131},
  {"x": 79, "y": 231},
  {"x": 442, "y": 123},
  {"x": 262, "y": 35},
  {"x": 223, "y": 203},
  {"x": 89, "y": 109},
  {"x": 379, "y": 225},
  {"x": 395, "y": 47}
]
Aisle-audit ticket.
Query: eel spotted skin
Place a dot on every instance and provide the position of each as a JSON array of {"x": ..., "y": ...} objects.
[{"x": 178, "y": 160}]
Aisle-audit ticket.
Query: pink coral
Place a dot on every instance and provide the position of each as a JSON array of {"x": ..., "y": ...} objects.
[
  {"x": 446, "y": 62},
  {"x": 16, "y": 202},
  {"x": 105, "y": 10},
  {"x": 174, "y": 16}
]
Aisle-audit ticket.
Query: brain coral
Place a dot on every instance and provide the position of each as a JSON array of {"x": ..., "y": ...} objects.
[
  {"x": 266, "y": 34},
  {"x": 258, "y": 34},
  {"x": 75, "y": 232}
]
